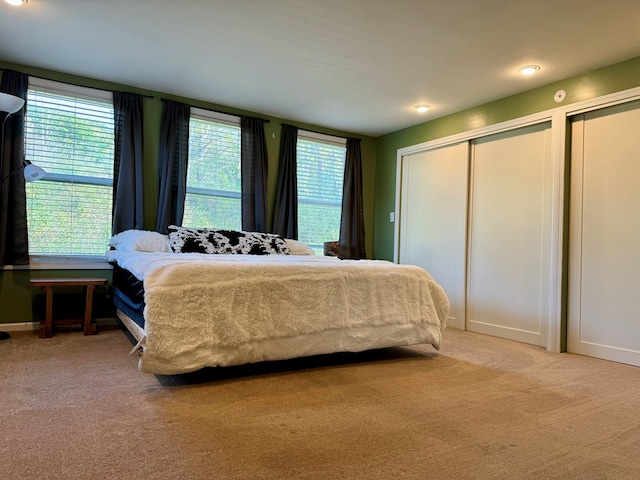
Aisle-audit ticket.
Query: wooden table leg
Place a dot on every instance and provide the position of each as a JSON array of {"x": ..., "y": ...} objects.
[
  {"x": 46, "y": 328},
  {"x": 48, "y": 284},
  {"x": 89, "y": 328}
]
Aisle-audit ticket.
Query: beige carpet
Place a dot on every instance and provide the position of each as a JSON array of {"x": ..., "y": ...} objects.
[{"x": 76, "y": 407}]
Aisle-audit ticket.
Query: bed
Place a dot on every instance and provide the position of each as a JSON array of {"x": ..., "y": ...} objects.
[{"x": 191, "y": 307}]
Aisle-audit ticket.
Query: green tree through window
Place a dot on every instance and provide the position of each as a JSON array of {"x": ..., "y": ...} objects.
[
  {"x": 70, "y": 135},
  {"x": 213, "y": 174},
  {"x": 320, "y": 171}
]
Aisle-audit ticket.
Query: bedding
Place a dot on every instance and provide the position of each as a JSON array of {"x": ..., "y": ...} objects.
[
  {"x": 220, "y": 241},
  {"x": 202, "y": 310},
  {"x": 150, "y": 241},
  {"x": 140, "y": 240}
]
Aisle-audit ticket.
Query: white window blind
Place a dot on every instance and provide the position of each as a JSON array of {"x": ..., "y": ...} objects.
[
  {"x": 320, "y": 172},
  {"x": 213, "y": 173},
  {"x": 69, "y": 132}
]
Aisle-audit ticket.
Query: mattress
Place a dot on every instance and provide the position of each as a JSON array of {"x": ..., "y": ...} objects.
[
  {"x": 202, "y": 310},
  {"x": 128, "y": 294}
]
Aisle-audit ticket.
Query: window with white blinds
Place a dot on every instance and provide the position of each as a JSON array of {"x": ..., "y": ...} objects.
[
  {"x": 320, "y": 173},
  {"x": 69, "y": 133},
  {"x": 213, "y": 172}
]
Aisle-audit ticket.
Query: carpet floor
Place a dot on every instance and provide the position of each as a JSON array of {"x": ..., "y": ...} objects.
[{"x": 76, "y": 407}]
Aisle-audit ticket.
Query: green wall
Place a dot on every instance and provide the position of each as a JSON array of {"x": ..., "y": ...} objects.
[
  {"x": 611, "y": 79},
  {"x": 378, "y": 155},
  {"x": 16, "y": 295}
]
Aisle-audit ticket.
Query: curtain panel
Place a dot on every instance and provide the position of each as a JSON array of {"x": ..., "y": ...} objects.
[
  {"x": 254, "y": 169},
  {"x": 174, "y": 153},
  {"x": 127, "y": 168},
  {"x": 352, "y": 238},
  {"x": 285, "y": 215},
  {"x": 14, "y": 238}
]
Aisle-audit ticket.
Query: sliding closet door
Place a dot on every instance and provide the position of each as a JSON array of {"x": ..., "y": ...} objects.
[
  {"x": 433, "y": 214},
  {"x": 510, "y": 235},
  {"x": 604, "y": 276}
]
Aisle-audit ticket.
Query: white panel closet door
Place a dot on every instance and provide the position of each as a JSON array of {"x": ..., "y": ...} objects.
[
  {"x": 510, "y": 235},
  {"x": 433, "y": 217},
  {"x": 604, "y": 275}
]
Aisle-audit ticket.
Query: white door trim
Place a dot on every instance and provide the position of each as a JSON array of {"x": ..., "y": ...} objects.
[
  {"x": 559, "y": 118},
  {"x": 552, "y": 340}
]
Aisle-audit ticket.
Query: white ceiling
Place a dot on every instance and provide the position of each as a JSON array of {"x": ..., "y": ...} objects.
[{"x": 354, "y": 65}]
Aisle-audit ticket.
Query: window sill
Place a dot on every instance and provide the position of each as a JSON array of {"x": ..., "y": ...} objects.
[{"x": 63, "y": 263}]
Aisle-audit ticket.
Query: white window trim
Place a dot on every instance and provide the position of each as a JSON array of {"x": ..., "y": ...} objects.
[
  {"x": 322, "y": 138},
  {"x": 317, "y": 137},
  {"x": 67, "y": 262},
  {"x": 224, "y": 119},
  {"x": 62, "y": 88},
  {"x": 218, "y": 117}
]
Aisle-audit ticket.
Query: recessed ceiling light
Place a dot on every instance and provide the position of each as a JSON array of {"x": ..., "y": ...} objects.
[
  {"x": 529, "y": 69},
  {"x": 17, "y": 3},
  {"x": 422, "y": 108}
]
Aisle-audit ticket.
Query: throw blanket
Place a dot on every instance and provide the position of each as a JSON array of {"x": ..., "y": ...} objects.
[{"x": 196, "y": 303}]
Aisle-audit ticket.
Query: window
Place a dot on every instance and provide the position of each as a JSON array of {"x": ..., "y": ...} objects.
[
  {"x": 213, "y": 173},
  {"x": 69, "y": 132},
  {"x": 320, "y": 163}
]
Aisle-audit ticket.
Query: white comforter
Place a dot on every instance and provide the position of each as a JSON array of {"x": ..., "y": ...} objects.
[{"x": 209, "y": 310}]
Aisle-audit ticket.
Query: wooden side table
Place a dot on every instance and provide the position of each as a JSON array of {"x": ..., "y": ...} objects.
[{"x": 47, "y": 284}]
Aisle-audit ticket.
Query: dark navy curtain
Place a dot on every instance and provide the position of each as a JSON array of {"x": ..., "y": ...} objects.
[
  {"x": 14, "y": 238},
  {"x": 254, "y": 169},
  {"x": 174, "y": 153},
  {"x": 352, "y": 238},
  {"x": 285, "y": 214},
  {"x": 127, "y": 167}
]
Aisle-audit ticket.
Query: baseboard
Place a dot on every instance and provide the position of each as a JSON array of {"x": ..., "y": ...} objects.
[
  {"x": 31, "y": 326},
  {"x": 19, "y": 327}
]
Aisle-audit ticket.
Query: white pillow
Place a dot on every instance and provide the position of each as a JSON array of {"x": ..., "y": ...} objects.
[
  {"x": 298, "y": 248},
  {"x": 140, "y": 240}
]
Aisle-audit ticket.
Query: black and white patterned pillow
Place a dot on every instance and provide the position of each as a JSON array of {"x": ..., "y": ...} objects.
[{"x": 213, "y": 240}]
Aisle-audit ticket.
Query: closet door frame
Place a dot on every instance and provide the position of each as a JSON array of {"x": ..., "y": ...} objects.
[
  {"x": 575, "y": 341},
  {"x": 560, "y": 296},
  {"x": 451, "y": 276},
  {"x": 574, "y": 237},
  {"x": 552, "y": 342},
  {"x": 526, "y": 324}
]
